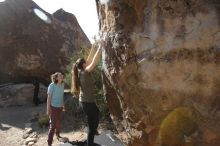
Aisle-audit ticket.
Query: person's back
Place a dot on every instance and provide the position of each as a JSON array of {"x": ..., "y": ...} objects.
[{"x": 87, "y": 87}]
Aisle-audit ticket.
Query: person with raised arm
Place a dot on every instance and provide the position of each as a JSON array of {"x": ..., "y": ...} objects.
[{"x": 84, "y": 87}]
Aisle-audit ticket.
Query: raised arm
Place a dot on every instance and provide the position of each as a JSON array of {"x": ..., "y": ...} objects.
[
  {"x": 91, "y": 54},
  {"x": 95, "y": 60}
]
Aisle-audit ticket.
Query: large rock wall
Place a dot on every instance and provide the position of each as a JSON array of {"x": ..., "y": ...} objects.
[
  {"x": 162, "y": 70},
  {"x": 34, "y": 45}
]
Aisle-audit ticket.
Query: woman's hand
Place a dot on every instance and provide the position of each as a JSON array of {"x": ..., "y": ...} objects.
[
  {"x": 101, "y": 43},
  {"x": 64, "y": 109},
  {"x": 48, "y": 105},
  {"x": 76, "y": 94},
  {"x": 49, "y": 111}
]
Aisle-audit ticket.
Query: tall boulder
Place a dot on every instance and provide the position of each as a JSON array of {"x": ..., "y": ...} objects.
[
  {"x": 34, "y": 43},
  {"x": 162, "y": 70}
]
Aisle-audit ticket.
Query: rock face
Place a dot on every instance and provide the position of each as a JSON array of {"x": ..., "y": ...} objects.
[
  {"x": 34, "y": 43},
  {"x": 161, "y": 70},
  {"x": 20, "y": 94}
]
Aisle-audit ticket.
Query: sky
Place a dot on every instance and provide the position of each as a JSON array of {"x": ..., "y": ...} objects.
[{"x": 84, "y": 10}]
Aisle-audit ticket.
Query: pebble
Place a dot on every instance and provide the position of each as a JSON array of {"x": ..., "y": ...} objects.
[
  {"x": 25, "y": 135},
  {"x": 28, "y": 140},
  {"x": 33, "y": 135},
  {"x": 28, "y": 130},
  {"x": 31, "y": 143}
]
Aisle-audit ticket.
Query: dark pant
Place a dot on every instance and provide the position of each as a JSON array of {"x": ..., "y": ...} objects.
[
  {"x": 92, "y": 113},
  {"x": 55, "y": 122},
  {"x": 36, "y": 100}
]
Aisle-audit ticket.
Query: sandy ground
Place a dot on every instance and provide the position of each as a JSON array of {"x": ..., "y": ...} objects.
[
  {"x": 12, "y": 126},
  {"x": 14, "y": 119}
]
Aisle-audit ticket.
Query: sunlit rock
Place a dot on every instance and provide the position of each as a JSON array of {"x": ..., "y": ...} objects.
[
  {"x": 160, "y": 56},
  {"x": 34, "y": 43}
]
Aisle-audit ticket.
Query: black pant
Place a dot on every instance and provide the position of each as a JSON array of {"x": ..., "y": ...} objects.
[
  {"x": 92, "y": 113},
  {"x": 36, "y": 100}
]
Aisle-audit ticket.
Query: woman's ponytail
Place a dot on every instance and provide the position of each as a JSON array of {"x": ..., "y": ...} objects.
[
  {"x": 75, "y": 81},
  {"x": 75, "y": 76}
]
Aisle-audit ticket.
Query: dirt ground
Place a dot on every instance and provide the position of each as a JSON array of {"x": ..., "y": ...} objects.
[{"x": 13, "y": 121}]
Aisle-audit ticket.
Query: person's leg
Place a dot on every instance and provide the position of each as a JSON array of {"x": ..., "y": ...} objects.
[
  {"x": 92, "y": 131},
  {"x": 89, "y": 110},
  {"x": 36, "y": 91},
  {"x": 58, "y": 122},
  {"x": 52, "y": 126},
  {"x": 35, "y": 99},
  {"x": 96, "y": 117}
]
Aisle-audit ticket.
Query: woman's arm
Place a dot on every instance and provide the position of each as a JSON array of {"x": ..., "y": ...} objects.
[
  {"x": 91, "y": 54},
  {"x": 95, "y": 60},
  {"x": 48, "y": 105},
  {"x": 64, "y": 108}
]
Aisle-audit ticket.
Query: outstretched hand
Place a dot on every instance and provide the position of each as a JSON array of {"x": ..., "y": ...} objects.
[{"x": 101, "y": 43}]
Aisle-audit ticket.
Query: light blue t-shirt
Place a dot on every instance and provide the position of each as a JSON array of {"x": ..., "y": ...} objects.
[{"x": 56, "y": 93}]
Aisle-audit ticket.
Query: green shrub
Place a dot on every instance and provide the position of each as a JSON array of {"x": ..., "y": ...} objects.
[{"x": 43, "y": 120}]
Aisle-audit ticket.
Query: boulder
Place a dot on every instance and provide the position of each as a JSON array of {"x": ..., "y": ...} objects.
[
  {"x": 34, "y": 43},
  {"x": 161, "y": 64},
  {"x": 20, "y": 94}
]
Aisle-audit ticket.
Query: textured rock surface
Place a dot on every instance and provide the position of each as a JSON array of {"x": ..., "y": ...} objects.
[
  {"x": 160, "y": 56},
  {"x": 30, "y": 46},
  {"x": 20, "y": 94}
]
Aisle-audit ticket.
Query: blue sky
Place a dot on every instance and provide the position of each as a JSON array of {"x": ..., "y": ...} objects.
[{"x": 84, "y": 10}]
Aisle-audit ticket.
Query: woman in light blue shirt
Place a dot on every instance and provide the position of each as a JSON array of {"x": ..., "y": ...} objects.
[{"x": 55, "y": 105}]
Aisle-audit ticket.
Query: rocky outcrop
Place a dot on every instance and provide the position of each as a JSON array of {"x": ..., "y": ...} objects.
[
  {"x": 161, "y": 70},
  {"x": 34, "y": 43},
  {"x": 20, "y": 94}
]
